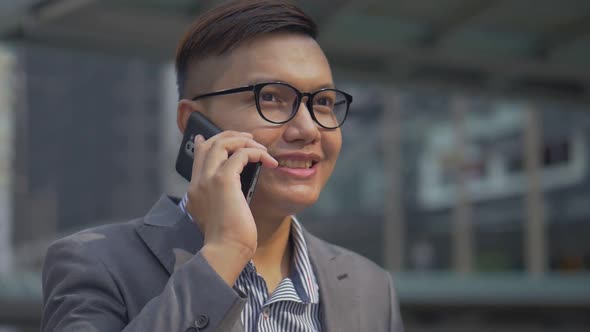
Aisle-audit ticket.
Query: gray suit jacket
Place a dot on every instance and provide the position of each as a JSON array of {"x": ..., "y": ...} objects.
[{"x": 148, "y": 275}]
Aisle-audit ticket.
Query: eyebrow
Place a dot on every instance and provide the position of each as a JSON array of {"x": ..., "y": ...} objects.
[{"x": 274, "y": 79}]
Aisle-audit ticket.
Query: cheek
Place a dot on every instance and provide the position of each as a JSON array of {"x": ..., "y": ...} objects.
[
  {"x": 331, "y": 145},
  {"x": 331, "y": 148},
  {"x": 267, "y": 136},
  {"x": 235, "y": 115}
]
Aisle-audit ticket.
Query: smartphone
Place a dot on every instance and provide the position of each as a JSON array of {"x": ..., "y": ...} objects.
[{"x": 198, "y": 124}]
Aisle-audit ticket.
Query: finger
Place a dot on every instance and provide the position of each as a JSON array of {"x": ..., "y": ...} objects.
[
  {"x": 230, "y": 133},
  {"x": 236, "y": 163},
  {"x": 233, "y": 135},
  {"x": 220, "y": 150},
  {"x": 199, "y": 155}
]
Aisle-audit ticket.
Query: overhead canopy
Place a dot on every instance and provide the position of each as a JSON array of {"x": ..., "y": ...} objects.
[{"x": 506, "y": 45}]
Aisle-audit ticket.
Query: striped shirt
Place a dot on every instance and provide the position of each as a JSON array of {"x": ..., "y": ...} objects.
[{"x": 294, "y": 304}]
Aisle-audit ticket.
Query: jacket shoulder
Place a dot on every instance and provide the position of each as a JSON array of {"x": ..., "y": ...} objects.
[
  {"x": 353, "y": 259},
  {"x": 101, "y": 235}
]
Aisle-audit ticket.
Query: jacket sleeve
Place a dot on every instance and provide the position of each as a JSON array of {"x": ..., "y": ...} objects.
[
  {"x": 80, "y": 294},
  {"x": 395, "y": 318}
]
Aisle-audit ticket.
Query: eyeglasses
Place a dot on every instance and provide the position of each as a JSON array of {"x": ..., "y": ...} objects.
[{"x": 279, "y": 102}]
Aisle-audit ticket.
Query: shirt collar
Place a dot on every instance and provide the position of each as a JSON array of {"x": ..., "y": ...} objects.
[
  {"x": 182, "y": 206},
  {"x": 304, "y": 278}
]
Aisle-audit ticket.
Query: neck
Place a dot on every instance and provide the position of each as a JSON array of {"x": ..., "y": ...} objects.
[{"x": 274, "y": 251}]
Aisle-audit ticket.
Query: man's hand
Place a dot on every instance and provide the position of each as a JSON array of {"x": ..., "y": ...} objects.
[{"x": 216, "y": 201}]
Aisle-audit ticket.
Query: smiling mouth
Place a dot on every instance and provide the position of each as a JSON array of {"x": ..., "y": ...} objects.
[{"x": 297, "y": 164}]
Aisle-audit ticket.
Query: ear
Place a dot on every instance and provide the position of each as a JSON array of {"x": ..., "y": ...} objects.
[{"x": 183, "y": 111}]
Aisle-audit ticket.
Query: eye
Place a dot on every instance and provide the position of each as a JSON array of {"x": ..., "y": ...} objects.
[
  {"x": 324, "y": 101},
  {"x": 269, "y": 97}
]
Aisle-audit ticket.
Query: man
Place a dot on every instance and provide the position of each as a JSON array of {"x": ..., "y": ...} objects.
[{"x": 211, "y": 262}]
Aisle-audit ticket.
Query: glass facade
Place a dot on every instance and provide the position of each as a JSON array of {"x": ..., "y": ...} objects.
[{"x": 462, "y": 157}]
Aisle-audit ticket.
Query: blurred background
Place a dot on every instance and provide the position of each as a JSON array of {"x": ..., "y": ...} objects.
[{"x": 465, "y": 166}]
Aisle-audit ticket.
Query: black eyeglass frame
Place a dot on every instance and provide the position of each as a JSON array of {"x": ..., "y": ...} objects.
[{"x": 256, "y": 88}]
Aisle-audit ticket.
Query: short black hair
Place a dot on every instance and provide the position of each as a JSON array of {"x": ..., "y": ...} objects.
[{"x": 223, "y": 28}]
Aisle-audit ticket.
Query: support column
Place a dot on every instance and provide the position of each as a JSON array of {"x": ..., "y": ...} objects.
[
  {"x": 7, "y": 154},
  {"x": 462, "y": 229},
  {"x": 172, "y": 183},
  {"x": 393, "y": 223},
  {"x": 535, "y": 233}
]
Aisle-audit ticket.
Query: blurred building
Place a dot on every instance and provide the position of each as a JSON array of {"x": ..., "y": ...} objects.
[
  {"x": 89, "y": 145},
  {"x": 496, "y": 180}
]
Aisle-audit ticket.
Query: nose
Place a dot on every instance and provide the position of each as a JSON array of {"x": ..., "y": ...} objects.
[{"x": 302, "y": 126}]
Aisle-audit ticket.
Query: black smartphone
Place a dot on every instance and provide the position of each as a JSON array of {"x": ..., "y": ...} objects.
[{"x": 198, "y": 124}]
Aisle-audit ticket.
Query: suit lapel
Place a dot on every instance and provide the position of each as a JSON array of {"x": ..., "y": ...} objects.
[
  {"x": 239, "y": 327},
  {"x": 172, "y": 237},
  {"x": 339, "y": 298},
  {"x": 169, "y": 234}
]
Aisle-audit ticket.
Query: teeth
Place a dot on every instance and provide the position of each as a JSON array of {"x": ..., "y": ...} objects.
[{"x": 295, "y": 163}]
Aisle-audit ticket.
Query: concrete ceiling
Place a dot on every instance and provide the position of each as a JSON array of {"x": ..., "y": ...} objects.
[{"x": 508, "y": 45}]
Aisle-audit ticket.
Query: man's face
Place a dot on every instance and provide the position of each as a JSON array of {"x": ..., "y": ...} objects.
[{"x": 299, "y": 61}]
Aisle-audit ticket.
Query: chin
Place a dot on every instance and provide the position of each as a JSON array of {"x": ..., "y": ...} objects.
[
  {"x": 299, "y": 203},
  {"x": 290, "y": 200}
]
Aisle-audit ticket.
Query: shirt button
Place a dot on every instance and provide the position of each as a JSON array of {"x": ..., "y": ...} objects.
[
  {"x": 266, "y": 312},
  {"x": 202, "y": 321}
]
